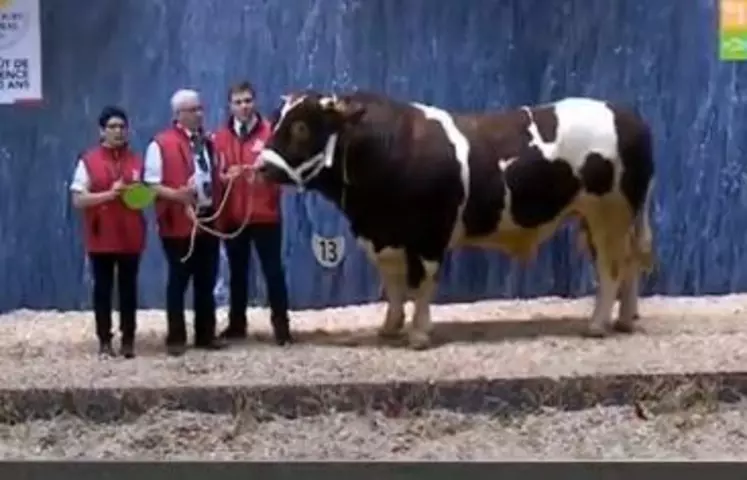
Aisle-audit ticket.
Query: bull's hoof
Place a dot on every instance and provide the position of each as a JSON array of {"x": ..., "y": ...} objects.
[
  {"x": 624, "y": 326},
  {"x": 393, "y": 326},
  {"x": 418, "y": 340},
  {"x": 595, "y": 331},
  {"x": 388, "y": 333}
]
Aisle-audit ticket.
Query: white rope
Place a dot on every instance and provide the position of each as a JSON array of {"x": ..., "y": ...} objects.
[{"x": 201, "y": 223}]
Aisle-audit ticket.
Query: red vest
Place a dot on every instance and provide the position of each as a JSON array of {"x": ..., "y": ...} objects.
[
  {"x": 261, "y": 199},
  {"x": 177, "y": 168},
  {"x": 111, "y": 227}
]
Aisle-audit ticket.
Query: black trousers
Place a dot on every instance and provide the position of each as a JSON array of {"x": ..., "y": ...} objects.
[
  {"x": 267, "y": 240},
  {"x": 202, "y": 268},
  {"x": 103, "y": 266}
]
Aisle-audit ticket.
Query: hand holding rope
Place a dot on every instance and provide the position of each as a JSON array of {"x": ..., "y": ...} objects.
[{"x": 200, "y": 223}]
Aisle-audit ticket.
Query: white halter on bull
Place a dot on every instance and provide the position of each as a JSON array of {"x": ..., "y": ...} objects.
[{"x": 311, "y": 167}]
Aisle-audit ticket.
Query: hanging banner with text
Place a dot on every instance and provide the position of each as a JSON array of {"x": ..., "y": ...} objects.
[
  {"x": 733, "y": 30},
  {"x": 20, "y": 51}
]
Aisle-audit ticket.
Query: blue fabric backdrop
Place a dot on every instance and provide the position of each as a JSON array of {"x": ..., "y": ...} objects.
[{"x": 659, "y": 56}]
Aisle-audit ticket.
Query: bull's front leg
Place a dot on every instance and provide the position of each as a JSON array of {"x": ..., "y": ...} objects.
[
  {"x": 394, "y": 282},
  {"x": 392, "y": 269},
  {"x": 419, "y": 337}
]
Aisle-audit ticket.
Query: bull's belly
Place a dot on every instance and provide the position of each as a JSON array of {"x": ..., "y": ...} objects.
[{"x": 515, "y": 241}]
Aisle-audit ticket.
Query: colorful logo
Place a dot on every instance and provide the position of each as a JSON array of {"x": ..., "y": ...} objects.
[{"x": 733, "y": 30}]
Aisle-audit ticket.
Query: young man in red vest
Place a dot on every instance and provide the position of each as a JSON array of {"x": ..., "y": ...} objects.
[
  {"x": 180, "y": 165},
  {"x": 114, "y": 234},
  {"x": 255, "y": 203}
]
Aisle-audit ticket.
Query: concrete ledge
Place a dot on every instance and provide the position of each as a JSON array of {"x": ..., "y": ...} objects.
[{"x": 500, "y": 396}]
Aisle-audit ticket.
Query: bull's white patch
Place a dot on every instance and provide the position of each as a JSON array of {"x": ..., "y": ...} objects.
[
  {"x": 328, "y": 251},
  {"x": 584, "y": 126},
  {"x": 461, "y": 148}
]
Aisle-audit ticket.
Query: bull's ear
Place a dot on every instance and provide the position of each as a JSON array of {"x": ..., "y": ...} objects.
[{"x": 350, "y": 110}]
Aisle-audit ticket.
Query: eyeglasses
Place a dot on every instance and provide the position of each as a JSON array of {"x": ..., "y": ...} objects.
[{"x": 195, "y": 109}]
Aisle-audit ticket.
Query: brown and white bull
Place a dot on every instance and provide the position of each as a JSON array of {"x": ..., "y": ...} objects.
[{"x": 415, "y": 181}]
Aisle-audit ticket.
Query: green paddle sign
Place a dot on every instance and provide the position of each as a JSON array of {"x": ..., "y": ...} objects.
[
  {"x": 138, "y": 196},
  {"x": 733, "y": 30}
]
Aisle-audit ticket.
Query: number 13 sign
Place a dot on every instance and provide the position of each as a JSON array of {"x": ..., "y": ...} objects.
[{"x": 329, "y": 251}]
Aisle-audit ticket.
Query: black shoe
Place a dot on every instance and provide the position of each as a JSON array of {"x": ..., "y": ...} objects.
[
  {"x": 128, "y": 350},
  {"x": 176, "y": 349},
  {"x": 106, "y": 350},
  {"x": 233, "y": 333},
  {"x": 281, "y": 328},
  {"x": 283, "y": 339},
  {"x": 213, "y": 344}
]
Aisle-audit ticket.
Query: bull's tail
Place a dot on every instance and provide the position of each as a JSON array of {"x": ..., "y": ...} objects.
[{"x": 643, "y": 241}]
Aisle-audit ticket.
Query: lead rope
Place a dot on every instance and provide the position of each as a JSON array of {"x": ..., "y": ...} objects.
[
  {"x": 200, "y": 223},
  {"x": 345, "y": 178}
]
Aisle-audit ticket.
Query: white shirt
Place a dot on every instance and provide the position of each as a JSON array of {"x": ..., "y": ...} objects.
[
  {"x": 81, "y": 182},
  {"x": 152, "y": 172},
  {"x": 250, "y": 124}
]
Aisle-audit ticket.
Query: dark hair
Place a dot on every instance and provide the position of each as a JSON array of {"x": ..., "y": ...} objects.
[
  {"x": 240, "y": 87},
  {"x": 108, "y": 112}
]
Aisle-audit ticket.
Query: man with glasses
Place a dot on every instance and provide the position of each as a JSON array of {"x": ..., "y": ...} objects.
[
  {"x": 114, "y": 235},
  {"x": 255, "y": 204},
  {"x": 179, "y": 165}
]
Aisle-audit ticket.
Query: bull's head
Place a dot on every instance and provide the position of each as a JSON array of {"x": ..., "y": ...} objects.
[{"x": 305, "y": 135}]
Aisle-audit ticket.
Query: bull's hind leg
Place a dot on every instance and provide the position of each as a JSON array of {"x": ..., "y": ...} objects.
[
  {"x": 609, "y": 246},
  {"x": 628, "y": 312},
  {"x": 642, "y": 261},
  {"x": 628, "y": 293}
]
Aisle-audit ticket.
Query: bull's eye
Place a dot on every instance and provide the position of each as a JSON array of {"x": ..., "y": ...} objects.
[{"x": 300, "y": 131}]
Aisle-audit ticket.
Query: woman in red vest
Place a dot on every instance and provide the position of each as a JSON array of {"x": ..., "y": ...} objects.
[
  {"x": 256, "y": 204},
  {"x": 114, "y": 235}
]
